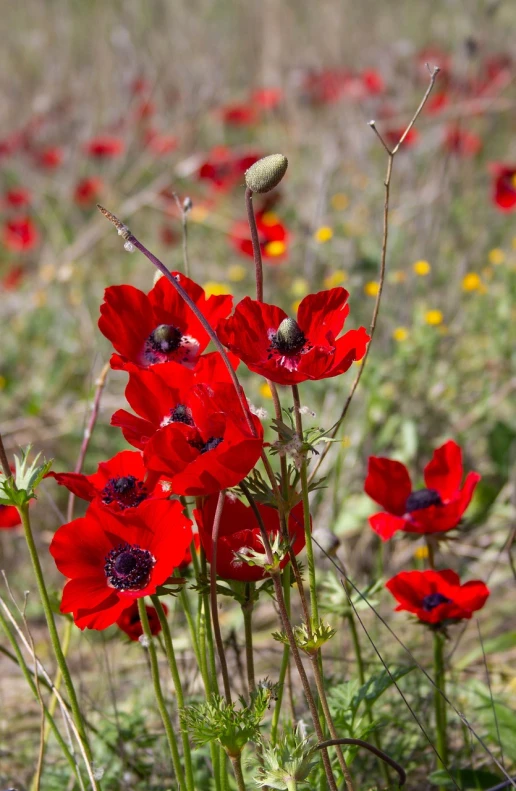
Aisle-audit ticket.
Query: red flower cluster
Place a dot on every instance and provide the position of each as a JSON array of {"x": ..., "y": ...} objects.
[
  {"x": 504, "y": 186},
  {"x": 331, "y": 85},
  {"x": 225, "y": 168},
  {"x": 272, "y": 235},
  {"x": 129, "y": 622},
  {"x": 104, "y": 147},
  {"x": 435, "y": 509},
  {"x": 20, "y": 234}
]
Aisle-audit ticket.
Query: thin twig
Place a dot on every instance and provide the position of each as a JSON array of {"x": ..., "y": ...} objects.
[
  {"x": 213, "y": 596},
  {"x": 380, "y": 753}
]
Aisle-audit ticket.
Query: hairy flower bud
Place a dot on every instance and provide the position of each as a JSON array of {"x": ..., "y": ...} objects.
[{"x": 267, "y": 173}]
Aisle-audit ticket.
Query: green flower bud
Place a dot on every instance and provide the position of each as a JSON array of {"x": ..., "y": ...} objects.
[{"x": 267, "y": 173}]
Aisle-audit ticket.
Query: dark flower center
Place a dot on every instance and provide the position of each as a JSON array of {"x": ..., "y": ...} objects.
[
  {"x": 126, "y": 491},
  {"x": 165, "y": 339},
  {"x": 128, "y": 567},
  {"x": 423, "y": 498},
  {"x": 288, "y": 338},
  {"x": 204, "y": 447},
  {"x": 433, "y": 600},
  {"x": 181, "y": 414}
]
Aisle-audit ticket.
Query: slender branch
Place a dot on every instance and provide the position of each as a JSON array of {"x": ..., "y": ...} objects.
[
  {"x": 247, "y": 612},
  {"x": 184, "y": 208},
  {"x": 257, "y": 253},
  {"x": 213, "y": 597},
  {"x": 380, "y": 753}
]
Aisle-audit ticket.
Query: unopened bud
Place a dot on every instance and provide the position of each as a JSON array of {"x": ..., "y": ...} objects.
[{"x": 267, "y": 173}]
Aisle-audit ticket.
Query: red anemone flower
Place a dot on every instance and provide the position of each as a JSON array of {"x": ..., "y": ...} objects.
[
  {"x": 20, "y": 234},
  {"x": 104, "y": 147},
  {"x": 435, "y": 509},
  {"x": 272, "y": 235},
  {"x": 18, "y": 197},
  {"x": 462, "y": 142},
  {"x": 267, "y": 98},
  {"x": 112, "y": 559},
  {"x": 437, "y": 103},
  {"x": 129, "y": 622},
  {"x": 118, "y": 483},
  {"x": 50, "y": 158},
  {"x": 239, "y": 531},
  {"x": 504, "y": 186},
  {"x": 393, "y": 136},
  {"x": 13, "y": 278},
  {"x": 239, "y": 114},
  {"x": 225, "y": 168},
  {"x": 9, "y": 517},
  {"x": 437, "y": 597},
  {"x": 88, "y": 190},
  {"x": 287, "y": 351},
  {"x": 206, "y": 444},
  {"x": 147, "y": 329},
  {"x": 159, "y": 144}
]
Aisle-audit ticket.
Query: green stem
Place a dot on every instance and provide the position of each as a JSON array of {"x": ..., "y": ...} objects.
[
  {"x": 174, "y": 672},
  {"x": 291, "y": 784},
  {"x": 52, "y": 629},
  {"x": 284, "y": 661},
  {"x": 160, "y": 700},
  {"x": 236, "y": 761},
  {"x": 247, "y": 612},
  {"x": 439, "y": 702}
]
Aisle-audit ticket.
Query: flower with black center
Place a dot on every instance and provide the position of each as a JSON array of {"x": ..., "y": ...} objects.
[
  {"x": 158, "y": 327},
  {"x": 436, "y": 508},
  {"x": 437, "y": 597},
  {"x": 111, "y": 559},
  {"x": 119, "y": 483},
  {"x": 288, "y": 351},
  {"x": 272, "y": 236},
  {"x": 129, "y": 621},
  {"x": 104, "y": 147},
  {"x": 504, "y": 186},
  {"x": 239, "y": 532}
]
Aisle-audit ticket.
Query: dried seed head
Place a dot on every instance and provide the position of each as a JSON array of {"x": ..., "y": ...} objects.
[{"x": 267, "y": 173}]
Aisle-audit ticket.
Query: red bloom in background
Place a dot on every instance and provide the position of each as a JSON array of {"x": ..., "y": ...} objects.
[
  {"x": 287, "y": 351},
  {"x": 267, "y": 98},
  {"x": 13, "y": 278},
  {"x": 159, "y": 144},
  {"x": 462, "y": 142},
  {"x": 225, "y": 168},
  {"x": 158, "y": 327},
  {"x": 146, "y": 109},
  {"x": 20, "y": 234},
  {"x": 18, "y": 197},
  {"x": 239, "y": 114},
  {"x": 272, "y": 234},
  {"x": 50, "y": 158},
  {"x": 118, "y": 483},
  {"x": 239, "y": 530},
  {"x": 504, "y": 186},
  {"x": 104, "y": 147},
  {"x": 436, "y": 597},
  {"x": 436, "y": 509},
  {"x": 437, "y": 102},
  {"x": 129, "y": 622},
  {"x": 112, "y": 559},
  {"x": 373, "y": 81},
  {"x": 88, "y": 191},
  {"x": 393, "y": 136},
  {"x": 326, "y": 86},
  {"x": 205, "y": 444},
  {"x": 9, "y": 517}
]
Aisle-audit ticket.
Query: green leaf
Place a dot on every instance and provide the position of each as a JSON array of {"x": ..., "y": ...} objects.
[
  {"x": 494, "y": 645},
  {"x": 465, "y": 778}
]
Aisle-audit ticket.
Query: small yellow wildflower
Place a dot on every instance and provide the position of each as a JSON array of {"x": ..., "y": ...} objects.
[
  {"x": 398, "y": 276},
  {"x": 421, "y": 268},
  {"x": 236, "y": 273},
  {"x": 434, "y": 317},
  {"x": 421, "y": 553},
  {"x": 269, "y": 219},
  {"x": 300, "y": 287},
  {"x": 339, "y": 201},
  {"x": 323, "y": 234},
  {"x": 358, "y": 362},
  {"x": 371, "y": 288},
  {"x": 295, "y": 305},
  {"x": 400, "y": 334},
  {"x": 471, "y": 282},
  {"x": 212, "y": 288},
  {"x": 345, "y": 441},
  {"x": 335, "y": 279},
  {"x": 198, "y": 213},
  {"x": 276, "y": 248},
  {"x": 265, "y": 390},
  {"x": 496, "y": 256}
]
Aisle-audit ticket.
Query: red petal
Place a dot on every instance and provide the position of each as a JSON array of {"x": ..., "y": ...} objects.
[
  {"x": 388, "y": 483},
  {"x": 321, "y": 316},
  {"x": 385, "y": 525},
  {"x": 444, "y": 472}
]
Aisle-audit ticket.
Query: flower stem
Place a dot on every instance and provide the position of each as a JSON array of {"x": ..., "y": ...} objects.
[
  {"x": 247, "y": 612},
  {"x": 439, "y": 702},
  {"x": 284, "y": 661},
  {"x": 213, "y": 597},
  {"x": 236, "y": 761},
  {"x": 52, "y": 629},
  {"x": 257, "y": 253},
  {"x": 174, "y": 672}
]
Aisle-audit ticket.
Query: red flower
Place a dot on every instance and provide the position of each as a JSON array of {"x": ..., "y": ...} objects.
[
  {"x": 462, "y": 142},
  {"x": 9, "y": 517},
  {"x": 88, "y": 190},
  {"x": 326, "y": 86},
  {"x": 112, "y": 559},
  {"x": 239, "y": 114},
  {"x": 144, "y": 110},
  {"x": 437, "y": 102},
  {"x": 18, "y": 197},
  {"x": 160, "y": 144},
  {"x": 104, "y": 147},
  {"x": 272, "y": 234},
  {"x": 207, "y": 445},
  {"x": 267, "y": 98},
  {"x": 118, "y": 483},
  {"x": 393, "y": 136},
  {"x": 239, "y": 531},
  {"x": 436, "y": 597},
  {"x": 13, "y": 278},
  {"x": 504, "y": 186},
  {"x": 20, "y": 234},
  {"x": 373, "y": 82},
  {"x": 129, "y": 622},
  {"x": 436, "y": 509},
  {"x": 224, "y": 168},
  {"x": 50, "y": 158},
  {"x": 168, "y": 235},
  {"x": 287, "y": 351},
  {"x": 149, "y": 329}
]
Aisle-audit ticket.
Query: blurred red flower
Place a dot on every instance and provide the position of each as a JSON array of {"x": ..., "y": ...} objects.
[
  {"x": 129, "y": 622},
  {"x": 18, "y": 197},
  {"x": 149, "y": 329},
  {"x": 49, "y": 158},
  {"x": 239, "y": 531},
  {"x": 287, "y": 351},
  {"x": 393, "y": 136},
  {"x": 239, "y": 114},
  {"x": 437, "y": 597},
  {"x": 88, "y": 191},
  {"x": 145, "y": 109},
  {"x": 13, "y": 278},
  {"x": 437, "y": 102},
  {"x": 160, "y": 144},
  {"x": 9, "y": 517},
  {"x": 272, "y": 234},
  {"x": 112, "y": 559},
  {"x": 504, "y": 186},
  {"x": 436, "y": 509},
  {"x": 224, "y": 168},
  {"x": 104, "y": 147},
  {"x": 267, "y": 98},
  {"x": 462, "y": 142},
  {"x": 20, "y": 234}
]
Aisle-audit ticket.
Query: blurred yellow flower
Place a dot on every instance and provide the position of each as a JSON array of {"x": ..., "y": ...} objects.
[
  {"x": 471, "y": 282},
  {"x": 358, "y": 362},
  {"x": 300, "y": 287},
  {"x": 345, "y": 441},
  {"x": 265, "y": 390},
  {"x": 421, "y": 268},
  {"x": 212, "y": 288},
  {"x": 339, "y": 201},
  {"x": 269, "y": 218},
  {"x": 496, "y": 256},
  {"x": 198, "y": 212},
  {"x": 275, "y": 248},
  {"x": 421, "y": 553},
  {"x": 335, "y": 279},
  {"x": 398, "y": 276},
  {"x": 323, "y": 234},
  {"x": 236, "y": 273},
  {"x": 514, "y": 242},
  {"x": 400, "y": 334},
  {"x": 434, "y": 317},
  {"x": 371, "y": 288},
  {"x": 295, "y": 305}
]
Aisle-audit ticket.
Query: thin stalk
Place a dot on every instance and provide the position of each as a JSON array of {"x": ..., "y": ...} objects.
[
  {"x": 160, "y": 700},
  {"x": 284, "y": 660},
  {"x": 247, "y": 612},
  {"x": 257, "y": 253},
  {"x": 291, "y": 784},
  {"x": 52, "y": 629},
  {"x": 439, "y": 703},
  {"x": 176, "y": 679},
  {"x": 213, "y": 597},
  {"x": 67, "y": 636},
  {"x": 236, "y": 761}
]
